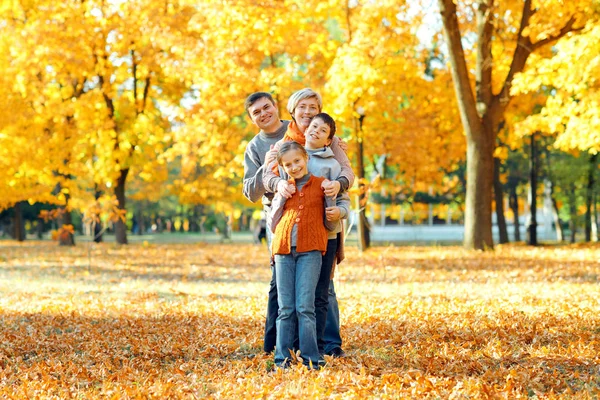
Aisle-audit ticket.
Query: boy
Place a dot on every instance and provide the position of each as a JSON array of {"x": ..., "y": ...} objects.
[{"x": 322, "y": 162}]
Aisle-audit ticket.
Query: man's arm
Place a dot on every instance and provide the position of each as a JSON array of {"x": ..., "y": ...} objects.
[
  {"x": 343, "y": 202},
  {"x": 276, "y": 213},
  {"x": 253, "y": 170}
]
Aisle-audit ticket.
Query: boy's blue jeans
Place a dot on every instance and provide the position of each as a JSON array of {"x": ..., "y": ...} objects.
[
  {"x": 297, "y": 275},
  {"x": 332, "y": 336},
  {"x": 322, "y": 293}
]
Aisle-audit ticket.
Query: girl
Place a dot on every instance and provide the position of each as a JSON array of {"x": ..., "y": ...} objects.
[{"x": 300, "y": 239}]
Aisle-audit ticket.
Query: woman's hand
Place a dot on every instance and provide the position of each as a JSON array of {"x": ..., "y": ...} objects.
[
  {"x": 343, "y": 145},
  {"x": 331, "y": 188},
  {"x": 333, "y": 213},
  {"x": 285, "y": 189}
]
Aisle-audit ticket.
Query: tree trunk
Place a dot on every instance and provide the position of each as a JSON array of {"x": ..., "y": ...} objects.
[
  {"x": 532, "y": 227},
  {"x": 589, "y": 197},
  {"x": 560, "y": 235},
  {"x": 573, "y": 213},
  {"x": 140, "y": 220},
  {"x": 66, "y": 238},
  {"x": 595, "y": 218},
  {"x": 514, "y": 206},
  {"x": 97, "y": 226},
  {"x": 362, "y": 224},
  {"x": 40, "y": 228},
  {"x": 499, "y": 199},
  {"x": 479, "y": 129},
  {"x": 194, "y": 225},
  {"x": 18, "y": 223},
  {"x": 478, "y": 205},
  {"x": 120, "y": 225}
]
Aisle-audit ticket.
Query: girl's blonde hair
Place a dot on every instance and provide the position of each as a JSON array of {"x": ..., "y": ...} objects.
[{"x": 289, "y": 146}]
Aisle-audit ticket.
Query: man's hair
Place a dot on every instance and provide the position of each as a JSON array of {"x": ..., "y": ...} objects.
[
  {"x": 300, "y": 95},
  {"x": 254, "y": 97},
  {"x": 290, "y": 145},
  {"x": 329, "y": 121}
]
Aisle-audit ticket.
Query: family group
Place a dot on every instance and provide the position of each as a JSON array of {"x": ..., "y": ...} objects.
[{"x": 300, "y": 171}]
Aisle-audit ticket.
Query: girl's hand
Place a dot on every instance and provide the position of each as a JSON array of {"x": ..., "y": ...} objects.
[
  {"x": 285, "y": 189},
  {"x": 331, "y": 188},
  {"x": 333, "y": 213},
  {"x": 343, "y": 145}
]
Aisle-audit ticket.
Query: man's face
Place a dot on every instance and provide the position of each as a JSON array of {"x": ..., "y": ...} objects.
[{"x": 265, "y": 115}]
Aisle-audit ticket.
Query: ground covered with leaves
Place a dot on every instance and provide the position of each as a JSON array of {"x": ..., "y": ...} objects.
[{"x": 186, "y": 321}]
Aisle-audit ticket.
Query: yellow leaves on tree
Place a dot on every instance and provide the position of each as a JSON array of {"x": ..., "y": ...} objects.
[{"x": 571, "y": 111}]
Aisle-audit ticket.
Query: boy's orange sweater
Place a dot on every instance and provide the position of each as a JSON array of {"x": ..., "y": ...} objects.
[{"x": 306, "y": 209}]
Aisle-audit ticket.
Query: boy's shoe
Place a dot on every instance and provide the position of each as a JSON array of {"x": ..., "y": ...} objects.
[{"x": 336, "y": 352}]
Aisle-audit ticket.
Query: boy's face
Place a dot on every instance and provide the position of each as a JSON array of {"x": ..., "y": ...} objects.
[
  {"x": 317, "y": 134},
  {"x": 294, "y": 163},
  {"x": 264, "y": 114}
]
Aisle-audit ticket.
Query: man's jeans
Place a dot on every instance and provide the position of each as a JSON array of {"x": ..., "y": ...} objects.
[
  {"x": 297, "y": 275},
  {"x": 322, "y": 292},
  {"x": 272, "y": 306},
  {"x": 272, "y": 310},
  {"x": 332, "y": 336}
]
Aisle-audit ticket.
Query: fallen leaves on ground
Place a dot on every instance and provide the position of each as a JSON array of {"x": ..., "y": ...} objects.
[{"x": 186, "y": 321}]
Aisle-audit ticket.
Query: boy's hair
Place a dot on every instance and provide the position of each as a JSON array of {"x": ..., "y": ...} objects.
[
  {"x": 290, "y": 145},
  {"x": 329, "y": 121},
  {"x": 300, "y": 95},
  {"x": 254, "y": 97}
]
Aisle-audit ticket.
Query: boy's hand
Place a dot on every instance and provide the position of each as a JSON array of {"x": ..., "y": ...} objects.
[
  {"x": 285, "y": 189},
  {"x": 331, "y": 188},
  {"x": 333, "y": 213},
  {"x": 270, "y": 155},
  {"x": 343, "y": 146}
]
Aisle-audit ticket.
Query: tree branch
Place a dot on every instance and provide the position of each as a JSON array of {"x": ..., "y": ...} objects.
[
  {"x": 460, "y": 73},
  {"x": 569, "y": 27},
  {"x": 483, "y": 71}
]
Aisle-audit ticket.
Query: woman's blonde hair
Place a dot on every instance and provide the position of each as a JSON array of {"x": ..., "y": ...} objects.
[{"x": 300, "y": 95}]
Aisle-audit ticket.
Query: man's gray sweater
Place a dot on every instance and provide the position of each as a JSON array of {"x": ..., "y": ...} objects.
[{"x": 254, "y": 158}]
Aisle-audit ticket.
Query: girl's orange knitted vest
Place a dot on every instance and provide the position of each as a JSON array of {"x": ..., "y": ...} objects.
[{"x": 307, "y": 211}]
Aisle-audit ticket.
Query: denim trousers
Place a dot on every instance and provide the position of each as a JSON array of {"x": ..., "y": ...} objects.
[
  {"x": 297, "y": 275},
  {"x": 332, "y": 336},
  {"x": 322, "y": 292},
  {"x": 272, "y": 306}
]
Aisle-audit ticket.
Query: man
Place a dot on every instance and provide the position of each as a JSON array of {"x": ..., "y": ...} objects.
[{"x": 263, "y": 113}]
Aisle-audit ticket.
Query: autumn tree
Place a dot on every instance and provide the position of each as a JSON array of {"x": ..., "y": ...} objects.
[
  {"x": 570, "y": 113},
  {"x": 501, "y": 47}
]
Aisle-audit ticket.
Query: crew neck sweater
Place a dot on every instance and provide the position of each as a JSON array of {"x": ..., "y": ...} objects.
[{"x": 305, "y": 210}]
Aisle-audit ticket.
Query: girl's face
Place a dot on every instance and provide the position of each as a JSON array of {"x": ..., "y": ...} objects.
[
  {"x": 294, "y": 163},
  {"x": 317, "y": 134},
  {"x": 304, "y": 111}
]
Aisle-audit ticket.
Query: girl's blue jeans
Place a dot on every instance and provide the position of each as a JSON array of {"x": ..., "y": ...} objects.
[{"x": 297, "y": 275}]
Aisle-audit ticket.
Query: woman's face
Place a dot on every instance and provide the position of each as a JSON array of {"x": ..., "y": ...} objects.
[
  {"x": 304, "y": 111},
  {"x": 294, "y": 163}
]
